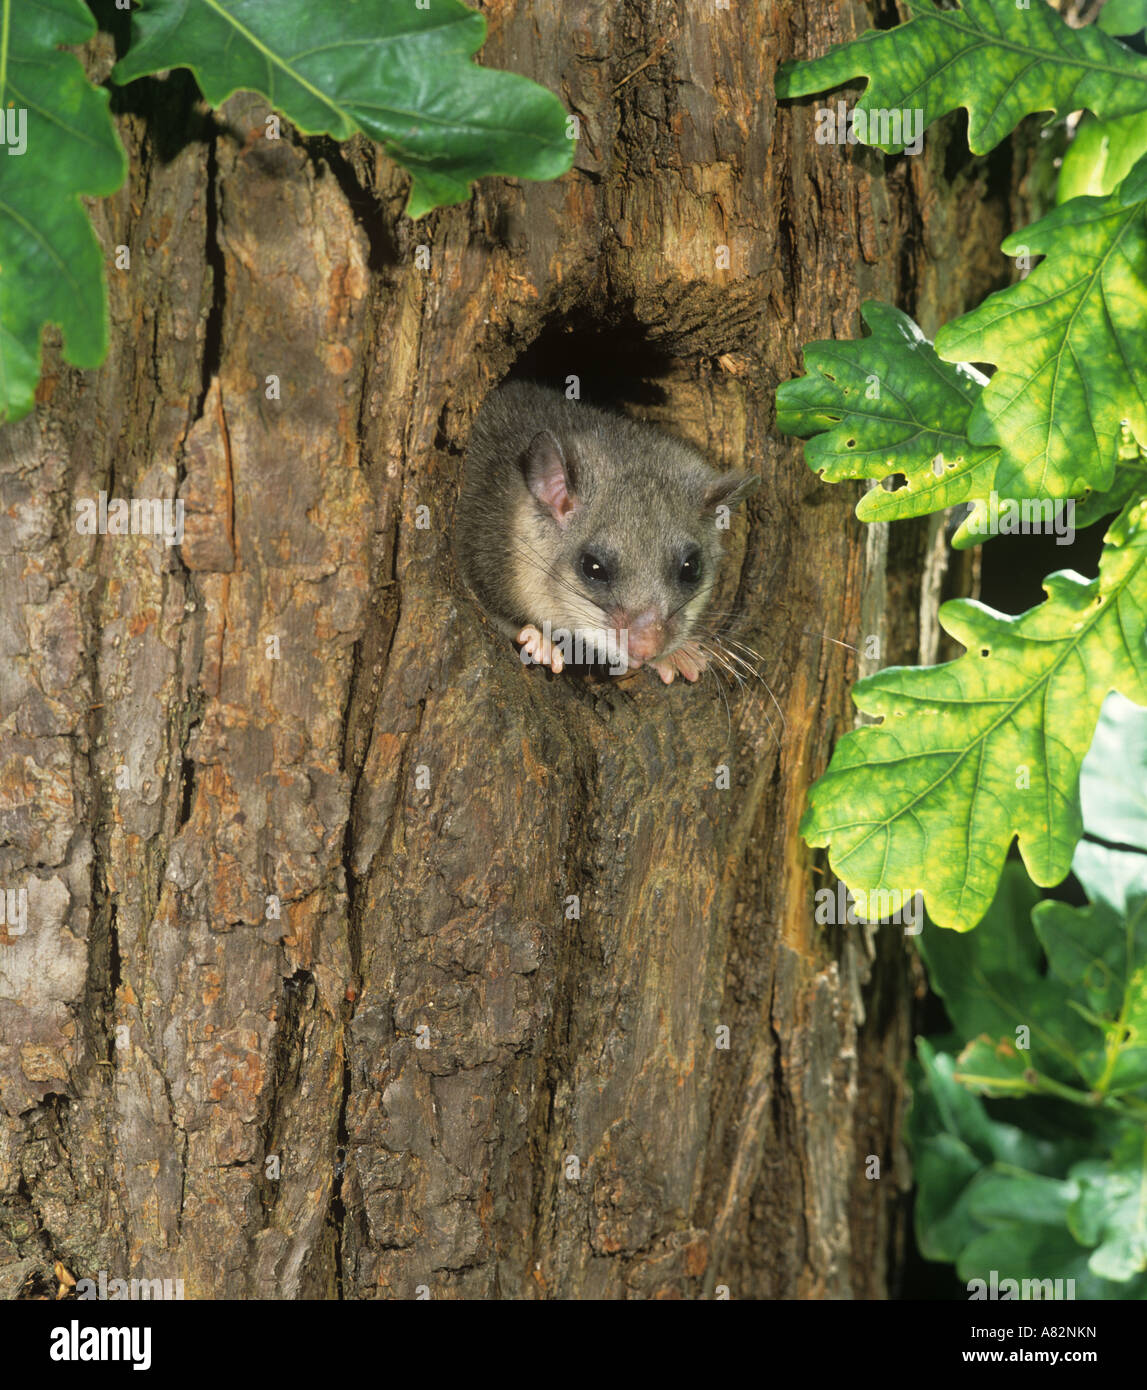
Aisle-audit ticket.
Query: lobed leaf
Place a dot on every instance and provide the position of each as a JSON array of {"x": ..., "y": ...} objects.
[
  {"x": 888, "y": 407},
  {"x": 1070, "y": 346},
  {"x": 1060, "y": 1198},
  {"x": 399, "y": 73},
  {"x": 998, "y": 60},
  {"x": 973, "y": 1172},
  {"x": 1129, "y": 482},
  {"x": 1123, "y": 17},
  {"x": 51, "y": 265},
  {"x": 953, "y": 1139},
  {"x": 1111, "y": 1209},
  {"x": 1114, "y": 804},
  {"x": 885, "y": 405},
  {"x": 1033, "y": 1253},
  {"x": 978, "y": 751},
  {"x": 1023, "y": 1035},
  {"x": 1100, "y": 156}
]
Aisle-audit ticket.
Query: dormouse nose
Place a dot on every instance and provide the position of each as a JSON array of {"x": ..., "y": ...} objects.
[{"x": 646, "y": 632}]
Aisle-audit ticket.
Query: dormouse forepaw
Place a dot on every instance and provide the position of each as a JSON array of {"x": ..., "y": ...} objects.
[
  {"x": 540, "y": 650},
  {"x": 687, "y": 660}
]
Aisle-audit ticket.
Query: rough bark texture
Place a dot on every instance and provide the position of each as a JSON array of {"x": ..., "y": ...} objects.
[{"x": 299, "y": 704}]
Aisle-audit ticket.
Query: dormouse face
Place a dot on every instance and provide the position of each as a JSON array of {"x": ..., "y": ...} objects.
[
  {"x": 635, "y": 541},
  {"x": 650, "y": 573}
]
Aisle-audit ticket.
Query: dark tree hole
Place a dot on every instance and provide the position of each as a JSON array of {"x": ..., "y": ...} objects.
[{"x": 615, "y": 363}]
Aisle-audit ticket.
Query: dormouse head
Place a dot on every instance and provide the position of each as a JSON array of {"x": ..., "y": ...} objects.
[{"x": 633, "y": 520}]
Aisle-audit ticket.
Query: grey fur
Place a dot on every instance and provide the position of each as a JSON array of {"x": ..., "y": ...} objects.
[{"x": 645, "y": 497}]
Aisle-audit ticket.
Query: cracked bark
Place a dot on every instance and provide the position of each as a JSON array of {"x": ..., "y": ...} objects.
[{"x": 422, "y": 808}]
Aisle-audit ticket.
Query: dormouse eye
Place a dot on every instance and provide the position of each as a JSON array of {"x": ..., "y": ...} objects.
[
  {"x": 690, "y": 571},
  {"x": 594, "y": 569}
]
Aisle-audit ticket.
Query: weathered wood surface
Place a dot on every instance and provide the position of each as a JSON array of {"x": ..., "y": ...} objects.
[{"x": 421, "y": 806}]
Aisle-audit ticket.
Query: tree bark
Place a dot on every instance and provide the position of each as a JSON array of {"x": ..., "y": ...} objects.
[{"x": 479, "y": 1051}]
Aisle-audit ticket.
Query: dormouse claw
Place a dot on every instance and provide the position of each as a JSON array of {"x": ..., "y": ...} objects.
[
  {"x": 688, "y": 659},
  {"x": 540, "y": 650}
]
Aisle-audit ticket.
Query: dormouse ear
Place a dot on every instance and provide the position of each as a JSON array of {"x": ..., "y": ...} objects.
[
  {"x": 730, "y": 488},
  {"x": 549, "y": 476}
]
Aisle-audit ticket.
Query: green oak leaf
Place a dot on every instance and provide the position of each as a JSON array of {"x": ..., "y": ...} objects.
[
  {"x": 953, "y": 1140},
  {"x": 991, "y": 1196},
  {"x": 1128, "y": 483},
  {"x": 1070, "y": 345},
  {"x": 885, "y": 405},
  {"x": 1133, "y": 189},
  {"x": 1123, "y": 17},
  {"x": 1115, "y": 803},
  {"x": 1002, "y": 1196},
  {"x": 1061, "y": 1197},
  {"x": 51, "y": 265},
  {"x": 399, "y": 73},
  {"x": 1111, "y": 1209},
  {"x": 980, "y": 974},
  {"x": 949, "y": 1108},
  {"x": 1109, "y": 875},
  {"x": 944, "y": 1169},
  {"x": 978, "y": 751},
  {"x": 1101, "y": 155},
  {"x": 1088, "y": 949},
  {"x": 1035, "y": 1255},
  {"x": 968, "y": 1164},
  {"x": 999, "y": 60},
  {"x": 1097, "y": 954},
  {"x": 993, "y": 1067},
  {"x": 1024, "y": 1037},
  {"x": 1101, "y": 956}
]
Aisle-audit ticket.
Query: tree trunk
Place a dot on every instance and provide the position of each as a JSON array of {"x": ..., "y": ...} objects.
[{"x": 362, "y": 961}]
